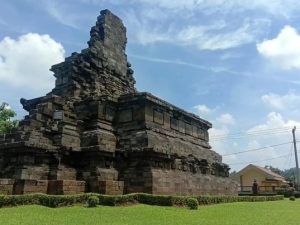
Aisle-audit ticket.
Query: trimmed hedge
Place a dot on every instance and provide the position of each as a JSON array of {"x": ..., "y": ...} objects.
[
  {"x": 93, "y": 201},
  {"x": 192, "y": 203},
  {"x": 216, "y": 199},
  {"x": 110, "y": 200}
]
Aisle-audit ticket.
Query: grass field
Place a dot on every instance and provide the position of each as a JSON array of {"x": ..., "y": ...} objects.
[{"x": 243, "y": 213}]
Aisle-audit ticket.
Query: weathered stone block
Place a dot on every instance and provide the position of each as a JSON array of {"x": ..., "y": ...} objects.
[
  {"x": 6, "y": 186},
  {"x": 66, "y": 187},
  {"x": 109, "y": 187},
  {"x": 30, "y": 186}
]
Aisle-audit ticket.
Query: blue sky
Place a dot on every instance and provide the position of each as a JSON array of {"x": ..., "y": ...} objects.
[{"x": 233, "y": 62}]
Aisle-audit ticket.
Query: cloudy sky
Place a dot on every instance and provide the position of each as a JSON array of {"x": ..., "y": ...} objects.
[{"x": 235, "y": 63}]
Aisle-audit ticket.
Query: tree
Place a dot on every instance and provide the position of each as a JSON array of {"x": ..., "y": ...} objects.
[
  {"x": 288, "y": 174},
  {"x": 232, "y": 173},
  {"x": 274, "y": 169},
  {"x": 7, "y": 125}
]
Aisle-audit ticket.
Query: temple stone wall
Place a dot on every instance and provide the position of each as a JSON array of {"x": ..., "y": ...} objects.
[
  {"x": 66, "y": 187},
  {"x": 147, "y": 123},
  {"x": 27, "y": 186},
  {"x": 95, "y": 132},
  {"x": 7, "y": 186},
  {"x": 167, "y": 144},
  {"x": 187, "y": 183},
  {"x": 175, "y": 182},
  {"x": 137, "y": 178},
  {"x": 109, "y": 187}
]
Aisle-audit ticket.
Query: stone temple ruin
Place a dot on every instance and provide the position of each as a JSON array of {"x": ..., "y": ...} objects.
[{"x": 95, "y": 133}]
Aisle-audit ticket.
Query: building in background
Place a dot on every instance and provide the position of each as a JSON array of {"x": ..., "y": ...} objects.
[{"x": 267, "y": 180}]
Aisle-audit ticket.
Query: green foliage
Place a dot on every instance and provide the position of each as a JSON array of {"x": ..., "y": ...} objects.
[
  {"x": 297, "y": 194},
  {"x": 292, "y": 198},
  {"x": 289, "y": 174},
  {"x": 275, "y": 170},
  {"x": 108, "y": 200},
  {"x": 15, "y": 200},
  {"x": 54, "y": 201},
  {"x": 211, "y": 199},
  {"x": 287, "y": 192},
  {"x": 161, "y": 200},
  {"x": 179, "y": 201},
  {"x": 192, "y": 203},
  {"x": 6, "y": 114},
  {"x": 93, "y": 201},
  {"x": 232, "y": 173},
  {"x": 126, "y": 199}
]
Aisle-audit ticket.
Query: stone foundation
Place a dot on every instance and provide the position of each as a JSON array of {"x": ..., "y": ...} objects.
[
  {"x": 66, "y": 187},
  {"x": 30, "y": 186},
  {"x": 7, "y": 186},
  {"x": 109, "y": 187},
  {"x": 186, "y": 183}
]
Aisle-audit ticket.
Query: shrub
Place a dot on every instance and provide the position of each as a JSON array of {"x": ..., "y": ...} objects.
[
  {"x": 113, "y": 200},
  {"x": 192, "y": 203},
  {"x": 2, "y": 201},
  {"x": 161, "y": 200},
  {"x": 287, "y": 192},
  {"x": 211, "y": 199},
  {"x": 93, "y": 201},
  {"x": 297, "y": 194},
  {"x": 179, "y": 201},
  {"x": 126, "y": 199},
  {"x": 107, "y": 200},
  {"x": 292, "y": 198},
  {"x": 110, "y": 200},
  {"x": 54, "y": 201}
]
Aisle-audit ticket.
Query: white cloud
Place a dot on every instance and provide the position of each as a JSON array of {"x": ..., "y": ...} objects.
[
  {"x": 67, "y": 13},
  {"x": 25, "y": 62},
  {"x": 203, "y": 110},
  {"x": 274, "y": 122},
  {"x": 226, "y": 119},
  {"x": 282, "y": 102},
  {"x": 214, "y": 69},
  {"x": 221, "y": 126},
  {"x": 218, "y": 131},
  {"x": 284, "y": 50},
  {"x": 62, "y": 13},
  {"x": 181, "y": 23},
  {"x": 275, "y": 130},
  {"x": 215, "y": 36},
  {"x": 284, "y": 8},
  {"x": 230, "y": 55}
]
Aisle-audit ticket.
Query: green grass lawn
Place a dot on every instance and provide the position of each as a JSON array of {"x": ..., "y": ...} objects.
[{"x": 243, "y": 213}]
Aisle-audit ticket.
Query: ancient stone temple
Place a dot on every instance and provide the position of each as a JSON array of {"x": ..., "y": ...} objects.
[{"x": 95, "y": 133}]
